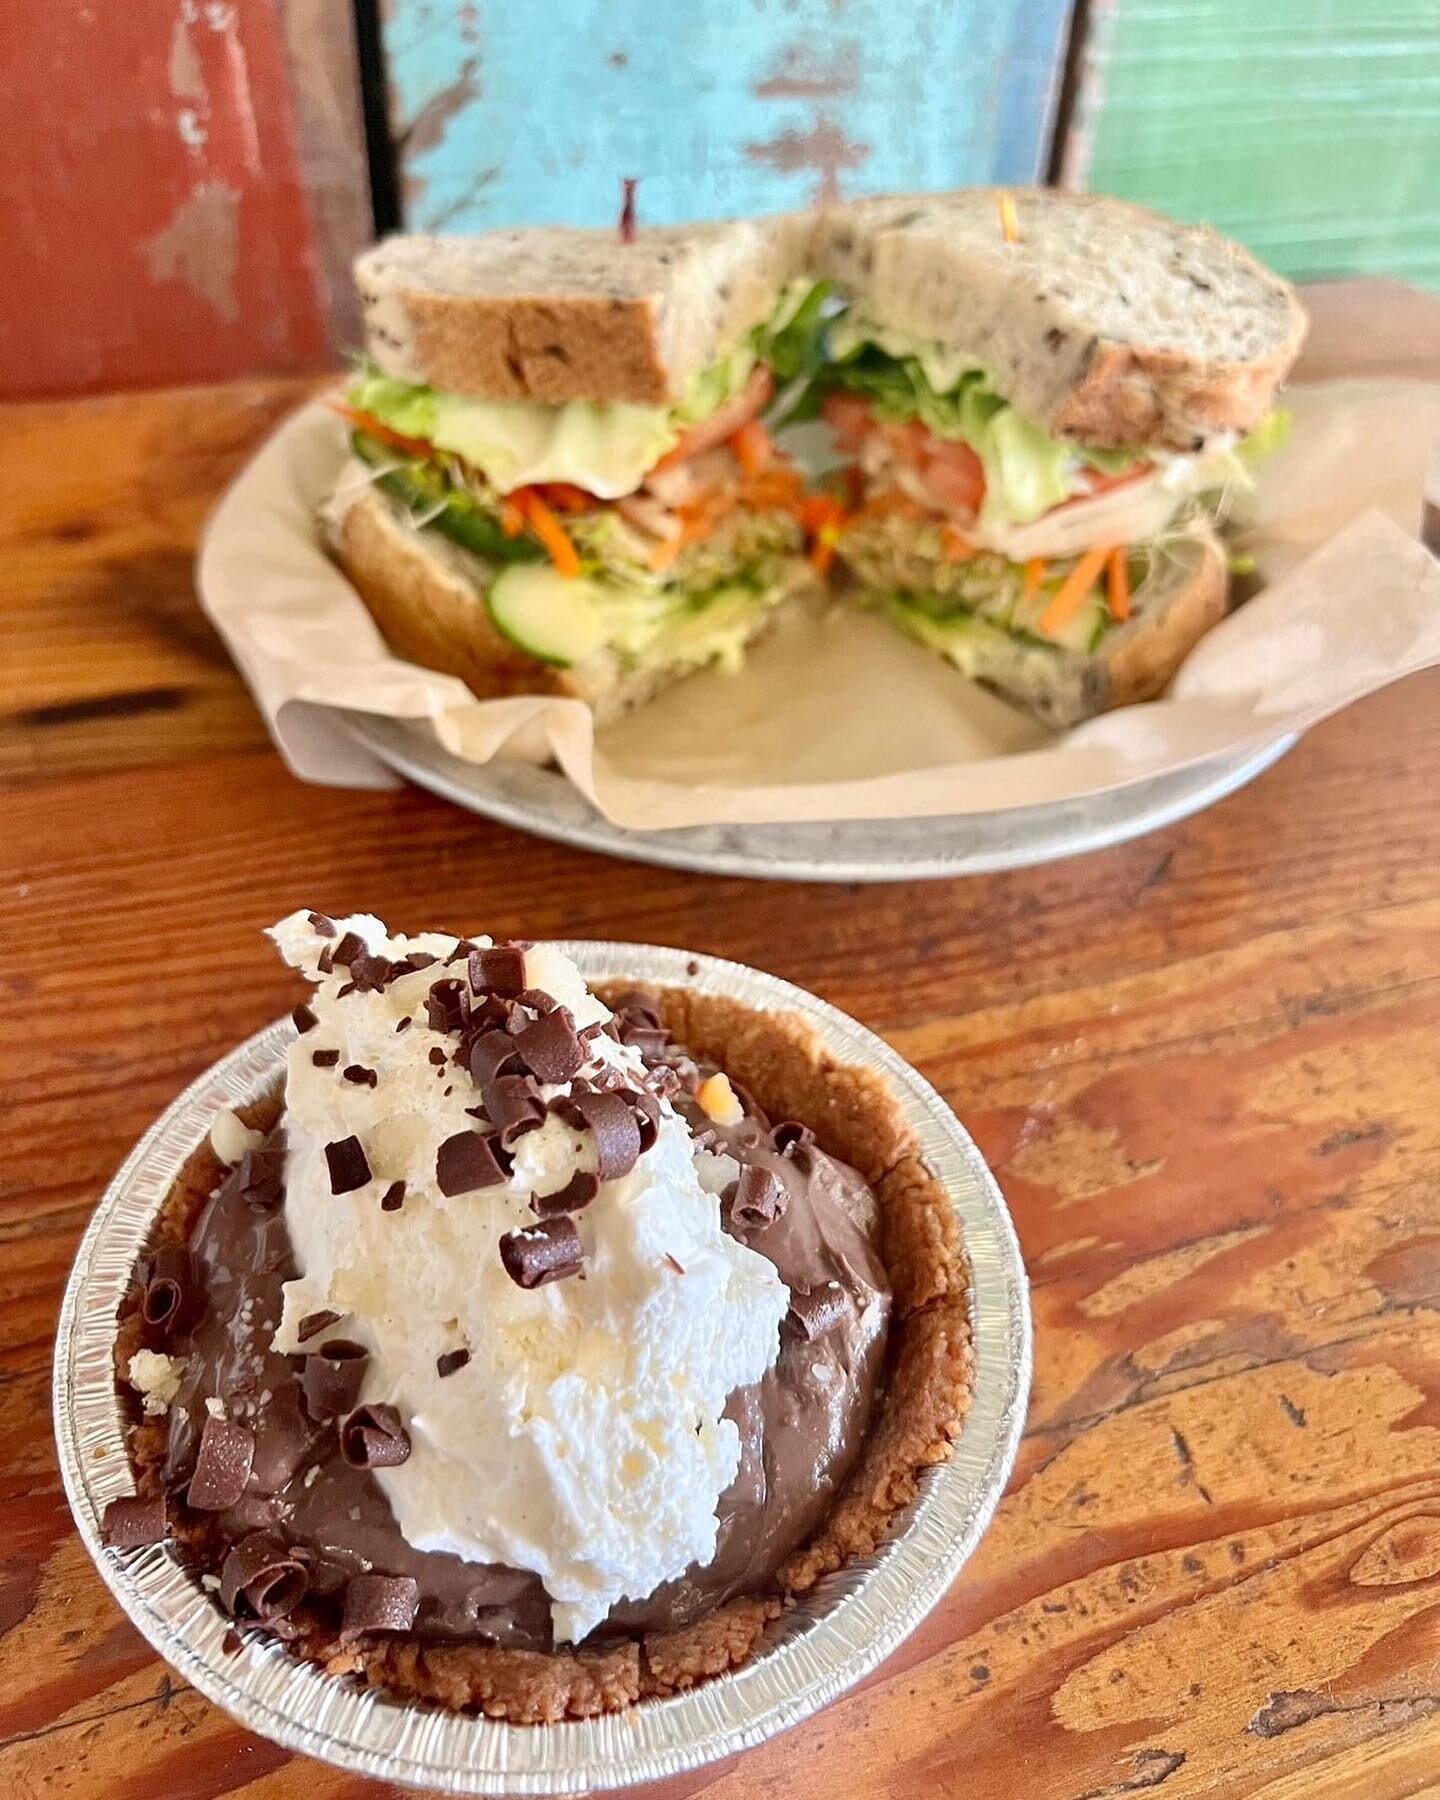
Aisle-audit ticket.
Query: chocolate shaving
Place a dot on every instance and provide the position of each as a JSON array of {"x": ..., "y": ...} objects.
[
  {"x": 538, "y": 1000},
  {"x": 616, "y": 1132},
  {"x": 393, "y": 1198},
  {"x": 578, "y": 1192},
  {"x": 303, "y": 1019},
  {"x": 814, "y": 1311},
  {"x": 464, "y": 949},
  {"x": 360, "y": 1075},
  {"x": 325, "y": 961},
  {"x": 514, "y": 1105},
  {"x": 173, "y": 1299},
  {"x": 494, "y": 1053},
  {"x": 321, "y": 924},
  {"x": 437, "y": 1056},
  {"x": 259, "y": 1178},
  {"x": 666, "y": 1082},
  {"x": 262, "y": 1578},
  {"x": 756, "y": 1200},
  {"x": 678, "y": 1267},
  {"x": 647, "y": 1108},
  {"x": 419, "y": 959},
  {"x": 379, "y": 1603},
  {"x": 349, "y": 947},
  {"x": 500, "y": 970},
  {"x": 324, "y": 1059},
  {"x": 373, "y": 1438},
  {"x": 403, "y": 1024},
  {"x": 450, "y": 1362},
  {"x": 550, "y": 1047},
  {"x": 466, "y": 1162},
  {"x": 133, "y": 1521},
  {"x": 314, "y": 1323},
  {"x": 370, "y": 973},
  {"x": 548, "y": 1251},
  {"x": 333, "y": 1378},
  {"x": 445, "y": 1005},
  {"x": 222, "y": 1466},
  {"x": 348, "y": 1166}
]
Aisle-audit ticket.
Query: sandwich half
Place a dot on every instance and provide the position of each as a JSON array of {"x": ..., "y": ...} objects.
[
  {"x": 1047, "y": 399},
  {"x": 560, "y": 482}
]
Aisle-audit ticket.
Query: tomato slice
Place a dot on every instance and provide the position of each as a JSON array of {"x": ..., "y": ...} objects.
[
  {"x": 954, "y": 474},
  {"x": 848, "y": 416}
]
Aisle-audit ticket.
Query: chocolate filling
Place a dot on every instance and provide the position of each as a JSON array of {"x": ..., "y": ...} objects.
[{"x": 310, "y": 1515}]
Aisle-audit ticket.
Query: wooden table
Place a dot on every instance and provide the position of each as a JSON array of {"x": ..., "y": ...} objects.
[{"x": 1203, "y": 1066}]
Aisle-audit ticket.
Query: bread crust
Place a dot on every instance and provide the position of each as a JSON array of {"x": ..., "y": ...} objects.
[
  {"x": 1146, "y": 654},
  {"x": 1130, "y": 395}
]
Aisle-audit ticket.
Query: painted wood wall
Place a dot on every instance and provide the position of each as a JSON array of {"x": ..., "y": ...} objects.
[{"x": 183, "y": 182}]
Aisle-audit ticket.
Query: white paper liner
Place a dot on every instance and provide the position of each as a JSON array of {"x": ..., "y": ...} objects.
[
  {"x": 835, "y": 716},
  {"x": 833, "y": 1638}
]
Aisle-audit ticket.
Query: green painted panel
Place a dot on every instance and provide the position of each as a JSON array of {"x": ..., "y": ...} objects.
[{"x": 1308, "y": 129}]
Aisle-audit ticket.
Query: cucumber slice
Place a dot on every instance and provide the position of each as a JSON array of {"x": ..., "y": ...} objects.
[{"x": 550, "y": 616}]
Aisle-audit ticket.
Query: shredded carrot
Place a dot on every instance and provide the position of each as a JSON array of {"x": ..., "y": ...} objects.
[
  {"x": 751, "y": 447},
  {"x": 1072, "y": 591},
  {"x": 852, "y": 485},
  {"x": 955, "y": 544},
  {"x": 1034, "y": 576},
  {"x": 1009, "y": 219},
  {"x": 817, "y": 511},
  {"x": 1118, "y": 570},
  {"x": 551, "y": 533},
  {"x": 890, "y": 502},
  {"x": 566, "y": 497},
  {"x": 663, "y": 552},
  {"x": 821, "y": 554},
  {"x": 512, "y": 518},
  {"x": 376, "y": 428},
  {"x": 775, "y": 486}
]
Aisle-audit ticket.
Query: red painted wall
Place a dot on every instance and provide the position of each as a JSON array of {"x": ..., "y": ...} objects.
[{"x": 153, "y": 222}]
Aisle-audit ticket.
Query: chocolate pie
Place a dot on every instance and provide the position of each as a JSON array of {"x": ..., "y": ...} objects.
[{"x": 535, "y": 1350}]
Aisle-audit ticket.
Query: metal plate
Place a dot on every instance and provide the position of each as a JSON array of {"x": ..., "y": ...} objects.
[
  {"x": 543, "y": 802},
  {"x": 838, "y": 1635}
]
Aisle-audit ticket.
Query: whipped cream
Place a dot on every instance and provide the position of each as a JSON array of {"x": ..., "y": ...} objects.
[{"x": 583, "y": 1439}]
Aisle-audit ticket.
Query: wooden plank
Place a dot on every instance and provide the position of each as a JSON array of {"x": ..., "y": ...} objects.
[
  {"x": 156, "y": 225},
  {"x": 1306, "y": 129},
  {"x": 1202, "y": 1065},
  {"x": 503, "y": 115}
]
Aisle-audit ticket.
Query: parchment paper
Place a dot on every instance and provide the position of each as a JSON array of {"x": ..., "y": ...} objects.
[{"x": 836, "y": 716}]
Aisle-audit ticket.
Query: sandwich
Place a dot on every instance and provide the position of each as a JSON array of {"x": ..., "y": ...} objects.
[
  {"x": 1047, "y": 402},
  {"x": 560, "y": 479}
]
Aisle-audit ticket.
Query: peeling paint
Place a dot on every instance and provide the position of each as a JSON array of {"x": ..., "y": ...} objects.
[
  {"x": 184, "y": 70},
  {"x": 823, "y": 149},
  {"x": 801, "y": 75},
  {"x": 426, "y": 131},
  {"x": 200, "y": 247}
]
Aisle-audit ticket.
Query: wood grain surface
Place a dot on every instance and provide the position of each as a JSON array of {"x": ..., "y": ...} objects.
[{"x": 1203, "y": 1066}]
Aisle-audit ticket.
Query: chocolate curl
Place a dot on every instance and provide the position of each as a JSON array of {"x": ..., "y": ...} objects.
[
  {"x": 549, "y": 1251},
  {"x": 647, "y": 1109},
  {"x": 550, "y": 1046},
  {"x": 514, "y": 1106},
  {"x": 577, "y": 1193},
  {"x": 814, "y": 1311},
  {"x": 492, "y": 1054},
  {"x": 465, "y": 1162},
  {"x": 260, "y": 1178},
  {"x": 628, "y": 185},
  {"x": 373, "y": 1438},
  {"x": 613, "y": 1125},
  {"x": 131, "y": 1522},
  {"x": 757, "y": 1199},
  {"x": 173, "y": 1300},
  {"x": 445, "y": 1005},
  {"x": 222, "y": 1465},
  {"x": 321, "y": 924},
  {"x": 379, "y": 1603},
  {"x": 499, "y": 970},
  {"x": 795, "y": 1142},
  {"x": 333, "y": 1377},
  {"x": 262, "y": 1578}
]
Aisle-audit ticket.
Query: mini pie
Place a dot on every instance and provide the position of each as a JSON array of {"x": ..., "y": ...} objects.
[{"x": 534, "y": 1350}]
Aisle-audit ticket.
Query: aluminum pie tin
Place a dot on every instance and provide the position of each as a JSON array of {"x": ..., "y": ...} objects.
[{"x": 836, "y": 1636}]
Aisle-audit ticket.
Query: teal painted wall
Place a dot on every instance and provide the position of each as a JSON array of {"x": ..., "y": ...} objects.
[
  {"x": 528, "y": 112},
  {"x": 1308, "y": 129}
]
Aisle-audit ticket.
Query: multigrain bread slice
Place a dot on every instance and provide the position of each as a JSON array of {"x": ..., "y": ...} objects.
[
  {"x": 1184, "y": 594},
  {"x": 1100, "y": 320},
  {"x": 427, "y": 595},
  {"x": 557, "y": 314}
]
